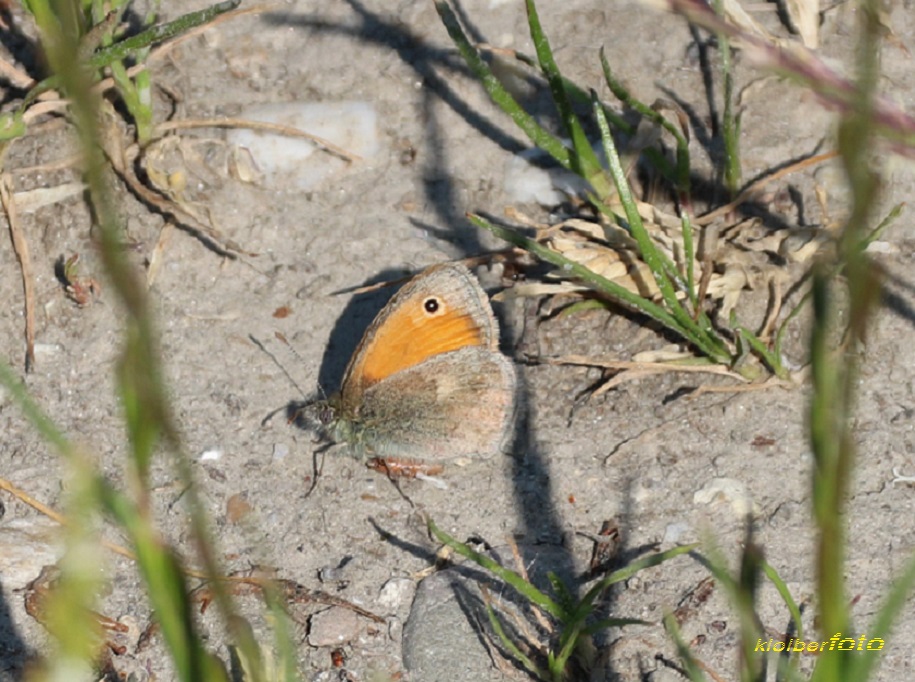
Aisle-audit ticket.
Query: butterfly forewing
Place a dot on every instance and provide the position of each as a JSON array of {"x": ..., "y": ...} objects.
[{"x": 441, "y": 310}]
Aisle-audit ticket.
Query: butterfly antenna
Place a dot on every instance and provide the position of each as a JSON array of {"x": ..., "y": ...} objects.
[
  {"x": 281, "y": 337},
  {"x": 267, "y": 352}
]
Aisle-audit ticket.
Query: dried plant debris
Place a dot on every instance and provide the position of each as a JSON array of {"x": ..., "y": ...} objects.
[
  {"x": 730, "y": 260},
  {"x": 80, "y": 289},
  {"x": 607, "y": 544},
  {"x": 121, "y": 642},
  {"x": 693, "y": 600}
]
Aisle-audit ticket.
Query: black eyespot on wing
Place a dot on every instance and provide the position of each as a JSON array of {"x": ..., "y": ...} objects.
[{"x": 431, "y": 305}]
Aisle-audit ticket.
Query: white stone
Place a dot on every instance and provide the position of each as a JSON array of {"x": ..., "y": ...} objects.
[
  {"x": 280, "y": 450},
  {"x": 210, "y": 455},
  {"x": 26, "y": 546},
  {"x": 290, "y": 162},
  {"x": 674, "y": 532},
  {"x": 396, "y": 592},
  {"x": 726, "y": 490},
  {"x": 525, "y": 182}
]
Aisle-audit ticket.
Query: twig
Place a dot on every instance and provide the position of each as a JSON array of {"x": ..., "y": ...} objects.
[
  {"x": 277, "y": 128},
  {"x": 653, "y": 367},
  {"x": 772, "y": 382},
  {"x": 158, "y": 254},
  {"x": 124, "y": 169},
  {"x": 21, "y": 247},
  {"x": 42, "y": 508},
  {"x": 58, "y": 164},
  {"x": 755, "y": 188},
  {"x": 522, "y": 571}
]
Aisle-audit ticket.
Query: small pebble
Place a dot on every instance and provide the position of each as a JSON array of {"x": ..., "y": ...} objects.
[
  {"x": 210, "y": 455},
  {"x": 280, "y": 450},
  {"x": 726, "y": 490},
  {"x": 333, "y": 627},
  {"x": 674, "y": 533},
  {"x": 396, "y": 592},
  {"x": 46, "y": 350},
  {"x": 525, "y": 182}
]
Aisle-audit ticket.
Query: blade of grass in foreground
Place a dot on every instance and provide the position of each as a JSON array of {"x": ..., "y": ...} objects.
[
  {"x": 835, "y": 371},
  {"x": 140, "y": 385}
]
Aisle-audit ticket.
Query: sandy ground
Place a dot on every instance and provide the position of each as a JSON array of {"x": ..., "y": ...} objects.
[{"x": 638, "y": 454}]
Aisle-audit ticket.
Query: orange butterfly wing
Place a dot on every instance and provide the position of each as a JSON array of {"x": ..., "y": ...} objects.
[{"x": 441, "y": 310}]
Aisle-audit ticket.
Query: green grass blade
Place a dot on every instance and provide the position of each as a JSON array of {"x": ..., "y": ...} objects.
[
  {"x": 682, "y": 171},
  {"x": 583, "y": 159},
  {"x": 526, "y": 589},
  {"x": 157, "y": 34},
  {"x": 730, "y": 126},
  {"x": 284, "y": 640},
  {"x": 12, "y": 125},
  {"x": 689, "y": 253},
  {"x": 745, "y": 598},
  {"x": 690, "y": 664},
  {"x": 648, "y": 251},
  {"x": 73, "y": 595},
  {"x": 569, "y": 641},
  {"x": 564, "y": 596},
  {"x": 835, "y": 377},
  {"x": 878, "y": 231},
  {"x": 607, "y": 623},
  {"x": 39, "y": 419},
  {"x": 542, "y": 138},
  {"x": 785, "y": 594},
  {"x": 762, "y": 351},
  {"x": 893, "y": 604}
]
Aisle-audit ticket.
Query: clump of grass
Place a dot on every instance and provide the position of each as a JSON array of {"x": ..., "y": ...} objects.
[
  {"x": 571, "y": 626},
  {"x": 680, "y": 309},
  {"x": 677, "y": 295},
  {"x": 866, "y": 120},
  {"x": 99, "y": 46}
]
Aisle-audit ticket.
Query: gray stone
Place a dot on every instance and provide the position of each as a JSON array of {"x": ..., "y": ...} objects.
[{"x": 444, "y": 636}]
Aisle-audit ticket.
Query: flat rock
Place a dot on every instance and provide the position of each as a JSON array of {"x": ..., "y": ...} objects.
[
  {"x": 291, "y": 162},
  {"x": 26, "y": 546}
]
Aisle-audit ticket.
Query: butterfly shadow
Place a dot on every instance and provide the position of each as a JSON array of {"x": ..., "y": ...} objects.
[{"x": 352, "y": 324}]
